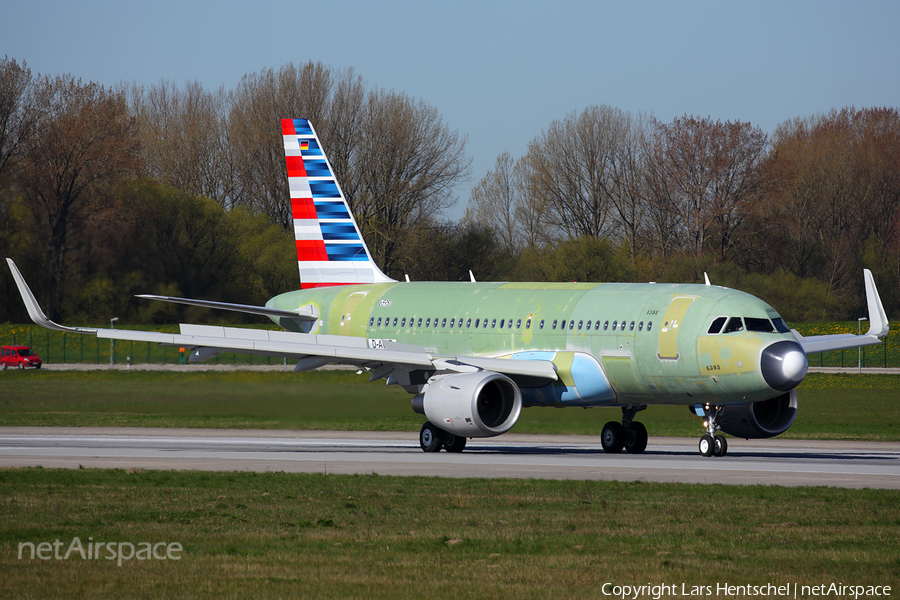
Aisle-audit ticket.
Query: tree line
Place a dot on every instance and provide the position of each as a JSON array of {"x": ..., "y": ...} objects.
[{"x": 109, "y": 192}]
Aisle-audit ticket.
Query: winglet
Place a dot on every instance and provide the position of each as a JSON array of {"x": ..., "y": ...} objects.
[
  {"x": 877, "y": 318},
  {"x": 34, "y": 309}
]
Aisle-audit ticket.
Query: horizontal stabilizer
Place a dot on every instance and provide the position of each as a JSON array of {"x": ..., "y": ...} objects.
[{"x": 264, "y": 311}]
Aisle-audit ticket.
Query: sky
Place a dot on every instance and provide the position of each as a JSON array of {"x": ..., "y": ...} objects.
[{"x": 498, "y": 72}]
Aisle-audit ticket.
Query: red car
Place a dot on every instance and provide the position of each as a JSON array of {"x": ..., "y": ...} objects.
[{"x": 19, "y": 356}]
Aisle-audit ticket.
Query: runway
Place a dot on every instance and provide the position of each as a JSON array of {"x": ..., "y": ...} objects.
[{"x": 768, "y": 462}]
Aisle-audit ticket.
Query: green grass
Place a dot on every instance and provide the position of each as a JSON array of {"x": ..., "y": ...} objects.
[
  {"x": 316, "y": 536},
  {"x": 865, "y": 407}
]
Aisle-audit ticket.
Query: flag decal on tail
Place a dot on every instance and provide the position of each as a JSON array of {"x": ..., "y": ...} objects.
[{"x": 330, "y": 249}]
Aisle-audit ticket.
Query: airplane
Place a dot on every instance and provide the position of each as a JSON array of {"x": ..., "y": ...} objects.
[{"x": 473, "y": 354}]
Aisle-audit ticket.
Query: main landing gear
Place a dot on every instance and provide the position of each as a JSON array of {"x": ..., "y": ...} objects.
[
  {"x": 629, "y": 434},
  {"x": 712, "y": 443},
  {"x": 433, "y": 439}
]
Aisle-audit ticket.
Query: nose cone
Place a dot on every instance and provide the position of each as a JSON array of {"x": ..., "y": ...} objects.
[{"x": 783, "y": 365}]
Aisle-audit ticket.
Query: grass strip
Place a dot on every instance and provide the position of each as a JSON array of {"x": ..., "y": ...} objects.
[
  {"x": 280, "y": 535},
  {"x": 831, "y": 406}
]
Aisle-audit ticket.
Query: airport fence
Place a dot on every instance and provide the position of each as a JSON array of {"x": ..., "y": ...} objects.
[{"x": 56, "y": 347}]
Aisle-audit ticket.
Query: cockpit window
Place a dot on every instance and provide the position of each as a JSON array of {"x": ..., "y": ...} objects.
[
  {"x": 716, "y": 326},
  {"x": 734, "y": 324},
  {"x": 780, "y": 326},
  {"x": 761, "y": 325}
]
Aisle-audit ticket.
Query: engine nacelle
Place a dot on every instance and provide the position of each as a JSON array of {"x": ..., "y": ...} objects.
[
  {"x": 763, "y": 419},
  {"x": 481, "y": 404}
]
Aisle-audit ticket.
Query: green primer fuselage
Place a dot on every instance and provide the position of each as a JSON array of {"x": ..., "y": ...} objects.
[{"x": 613, "y": 344}]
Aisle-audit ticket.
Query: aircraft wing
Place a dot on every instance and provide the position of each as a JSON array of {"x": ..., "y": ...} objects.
[
  {"x": 878, "y": 326},
  {"x": 383, "y": 357}
]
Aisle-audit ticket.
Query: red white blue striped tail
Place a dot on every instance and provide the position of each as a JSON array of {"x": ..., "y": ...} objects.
[{"x": 330, "y": 249}]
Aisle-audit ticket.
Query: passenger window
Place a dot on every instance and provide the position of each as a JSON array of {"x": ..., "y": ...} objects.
[
  {"x": 502, "y": 321},
  {"x": 571, "y": 324},
  {"x": 588, "y": 325},
  {"x": 605, "y": 325},
  {"x": 541, "y": 326},
  {"x": 760, "y": 325},
  {"x": 716, "y": 325},
  {"x": 420, "y": 321},
  {"x": 379, "y": 321},
  {"x": 631, "y": 327},
  {"x": 484, "y": 324},
  {"x": 641, "y": 326},
  {"x": 403, "y": 322},
  {"x": 371, "y": 321},
  {"x": 615, "y": 325},
  {"x": 395, "y": 321},
  {"x": 519, "y": 323},
  {"x": 562, "y": 325},
  {"x": 469, "y": 323},
  {"x": 477, "y": 323},
  {"x": 649, "y": 325},
  {"x": 428, "y": 322},
  {"x": 493, "y": 323},
  {"x": 444, "y": 322},
  {"x": 580, "y": 324},
  {"x": 623, "y": 325},
  {"x": 734, "y": 324},
  {"x": 554, "y": 324},
  {"x": 453, "y": 322}
]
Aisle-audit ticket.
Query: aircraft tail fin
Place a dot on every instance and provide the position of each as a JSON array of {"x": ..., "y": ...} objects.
[{"x": 330, "y": 248}]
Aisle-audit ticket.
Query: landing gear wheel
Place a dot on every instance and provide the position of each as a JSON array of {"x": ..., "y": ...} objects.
[
  {"x": 707, "y": 445},
  {"x": 636, "y": 438},
  {"x": 721, "y": 445},
  {"x": 431, "y": 439},
  {"x": 454, "y": 443},
  {"x": 612, "y": 438}
]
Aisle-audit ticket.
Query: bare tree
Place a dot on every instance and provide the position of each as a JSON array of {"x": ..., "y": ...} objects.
[
  {"x": 704, "y": 179},
  {"x": 85, "y": 141},
  {"x": 404, "y": 170}
]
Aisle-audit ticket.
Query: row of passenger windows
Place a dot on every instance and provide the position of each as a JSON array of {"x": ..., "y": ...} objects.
[
  {"x": 734, "y": 324},
  {"x": 507, "y": 324}
]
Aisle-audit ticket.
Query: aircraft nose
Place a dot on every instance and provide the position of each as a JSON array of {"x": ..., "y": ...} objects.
[{"x": 783, "y": 365}]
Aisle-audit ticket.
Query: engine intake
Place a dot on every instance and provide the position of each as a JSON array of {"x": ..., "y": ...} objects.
[
  {"x": 763, "y": 419},
  {"x": 482, "y": 404}
]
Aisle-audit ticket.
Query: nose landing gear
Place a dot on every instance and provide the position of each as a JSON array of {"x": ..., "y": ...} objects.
[{"x": 712, "y": 443}]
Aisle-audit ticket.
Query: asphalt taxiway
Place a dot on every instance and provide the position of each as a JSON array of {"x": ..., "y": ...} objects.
[{"x": 749, "y": 462}]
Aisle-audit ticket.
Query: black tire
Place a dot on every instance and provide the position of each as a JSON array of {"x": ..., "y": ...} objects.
[
  {"x": 454, "y": 443},
  {"x": 707, "y": 445},
  {"x": 721, "y": 447},
  {"x": 612, "y": 438},
  {"x": 22, "y": 366},
  {"x": 636, "y": 438},
  {"x": 431, "y": 439},
  {"x": 3, "y": 367}
]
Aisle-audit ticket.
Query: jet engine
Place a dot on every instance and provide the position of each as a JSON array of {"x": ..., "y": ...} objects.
[
  {"x": 480, "y": 404},
  {"x": 763, "y": 419}
]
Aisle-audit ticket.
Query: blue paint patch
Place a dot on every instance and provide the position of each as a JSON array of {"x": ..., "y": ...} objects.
[
  {"x": 332, "y": 210},
  {"x": 302, "y": 127},
  {"x": 346, "y": 252},
  {"x": 316, "y": 168},
  {"x": 591, "y": 386},
  {"x": 324, "y": 189},
  {"x": 338, "y": 231}
]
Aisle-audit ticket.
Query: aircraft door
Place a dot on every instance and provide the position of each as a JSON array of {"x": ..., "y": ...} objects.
[
  {"x": 668, "y": 331},
  {"x": 347, "y": 312}
]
